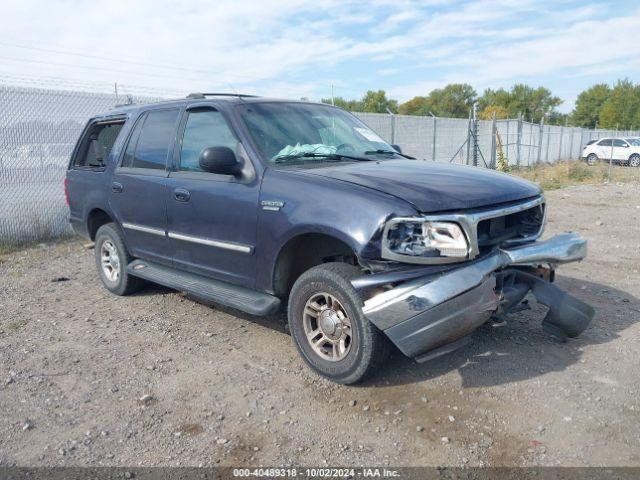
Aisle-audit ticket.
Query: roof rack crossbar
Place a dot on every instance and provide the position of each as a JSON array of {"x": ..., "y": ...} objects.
[{"x": 204, "y": 95}]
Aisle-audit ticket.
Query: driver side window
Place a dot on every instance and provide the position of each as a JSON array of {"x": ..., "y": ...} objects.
[{"x": 204, "y": 128}]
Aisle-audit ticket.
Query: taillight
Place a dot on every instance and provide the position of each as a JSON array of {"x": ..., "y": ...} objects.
[{"x": 66, "y": 190}]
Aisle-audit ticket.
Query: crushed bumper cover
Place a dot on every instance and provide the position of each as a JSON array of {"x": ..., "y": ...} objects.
[{"x": 431, "y": 312}]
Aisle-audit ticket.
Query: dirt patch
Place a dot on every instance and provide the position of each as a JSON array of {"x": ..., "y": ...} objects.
[{"x": 228, "y": 389}]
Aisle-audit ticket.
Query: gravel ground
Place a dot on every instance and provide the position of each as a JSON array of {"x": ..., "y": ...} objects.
[{"x": 87, "y": 378}]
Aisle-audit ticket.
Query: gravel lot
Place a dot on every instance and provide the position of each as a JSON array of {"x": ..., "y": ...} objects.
[{"x": 87, "y": 378}]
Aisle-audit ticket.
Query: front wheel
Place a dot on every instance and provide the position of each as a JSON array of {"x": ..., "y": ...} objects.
[
  {"x": 328, "y": 327},
  {"x": 634, "y": 160},
  {"x": 592, "y": 159}
]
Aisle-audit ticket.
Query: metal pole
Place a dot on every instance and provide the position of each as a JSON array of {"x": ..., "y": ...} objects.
[
  {"x": 332, "y": 99},
  {"x": 494, "y": 132},
  {"x": 468, "y": 138},
  {"x": 433, "y": 154},
  {"x": 546, "y": 155},
  {"x": 519, "y": 140},
  {"x": 611, "y": 156},
  {"x": 393, "y": 126},
  {"x": 560, "y": 144},
  {"x": 116, "y": 89},
  {"x": 540, "y": 132},
  {"x": 475, "y": 137},
  {"x": 571, "y": 144}
]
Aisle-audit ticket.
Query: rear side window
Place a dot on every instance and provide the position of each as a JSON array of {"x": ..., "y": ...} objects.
[
  {"x": 150, "y": 141},
  {"x": 97, "y": 145},
  {"x": 605, "y": 143}
]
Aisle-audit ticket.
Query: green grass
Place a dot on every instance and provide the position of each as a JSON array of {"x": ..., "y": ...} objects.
[{"x": 564, "y": 174}]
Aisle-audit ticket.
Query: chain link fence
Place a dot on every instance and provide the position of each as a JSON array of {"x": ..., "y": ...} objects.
[{"x": 39, "y": 128}]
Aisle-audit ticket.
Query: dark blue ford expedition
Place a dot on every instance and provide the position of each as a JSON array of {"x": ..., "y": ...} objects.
[{"x": 260, "y": 204}]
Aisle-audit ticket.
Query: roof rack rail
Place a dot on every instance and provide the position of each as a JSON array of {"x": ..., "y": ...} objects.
[{"x": 204, "y": 95}]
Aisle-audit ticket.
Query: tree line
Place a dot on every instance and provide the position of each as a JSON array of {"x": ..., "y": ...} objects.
[{"x": 601, "y": 105}]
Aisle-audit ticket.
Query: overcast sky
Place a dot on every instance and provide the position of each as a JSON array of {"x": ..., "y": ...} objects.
[{"x": 294, "y": 48}]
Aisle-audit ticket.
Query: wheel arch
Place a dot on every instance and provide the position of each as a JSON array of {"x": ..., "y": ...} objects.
[
  {"x": 304, "y": 251},
  {"x": 95, "y": 219}
]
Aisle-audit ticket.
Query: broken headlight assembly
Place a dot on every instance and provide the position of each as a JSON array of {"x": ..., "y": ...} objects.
[{"x": 416, "y": 240}]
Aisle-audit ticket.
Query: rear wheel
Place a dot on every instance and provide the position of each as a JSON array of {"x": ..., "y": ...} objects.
[
  {"x": 112, "y": 259},
  {"x": 592, "y": 159},
  {"x": 328, "y": 327},
  {"x": 634, "y": 160}
]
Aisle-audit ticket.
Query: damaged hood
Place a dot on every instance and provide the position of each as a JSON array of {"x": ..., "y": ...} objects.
[{"x": 432, "y": 186}]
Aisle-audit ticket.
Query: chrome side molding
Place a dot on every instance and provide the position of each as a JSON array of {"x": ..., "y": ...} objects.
[{"x": 142, "y": 228}]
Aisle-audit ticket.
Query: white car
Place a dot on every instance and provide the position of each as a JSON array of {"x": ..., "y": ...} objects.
[{"x": 625, "y": 151}]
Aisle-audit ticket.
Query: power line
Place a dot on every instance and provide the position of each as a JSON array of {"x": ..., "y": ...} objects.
[
  {"x": 88, "y": 67},
  {"x": 118, "y": 60}
]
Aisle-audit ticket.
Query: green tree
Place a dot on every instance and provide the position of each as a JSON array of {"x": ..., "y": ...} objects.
[
  {"x": 488, "y": 112},
  {"x": 454, "y": 100},
  {"x": 372, "y": 101},
  {"x": 377, "y": 102},
  {"x": 589, "y": 105},
  {"x": 532, "y": 103},
  {"x": 622, "y": 109}
]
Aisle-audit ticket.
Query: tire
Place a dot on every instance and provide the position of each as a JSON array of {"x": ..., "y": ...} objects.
[
  {"x": 634, "y": 160},
  {"x": 592, "y": 159},
  {"x": 348, "y": 354},
  {"x": 112, "y": 259}
]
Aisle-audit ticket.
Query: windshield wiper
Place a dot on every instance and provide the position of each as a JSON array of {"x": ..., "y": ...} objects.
[
  {"x": 328, "y": 156},
  {"x": 388, "y": 152}
]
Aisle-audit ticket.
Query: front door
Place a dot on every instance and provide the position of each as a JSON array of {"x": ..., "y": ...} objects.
[
  {"x": 211, "y": 218},
  {"x": 139, "y": 185}
]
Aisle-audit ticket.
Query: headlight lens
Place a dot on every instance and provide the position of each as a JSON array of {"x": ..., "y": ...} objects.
[{"x": 426, "y": 239}]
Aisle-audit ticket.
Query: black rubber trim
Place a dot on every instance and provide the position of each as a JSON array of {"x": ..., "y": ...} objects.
[{"x": 240, "y": 298}]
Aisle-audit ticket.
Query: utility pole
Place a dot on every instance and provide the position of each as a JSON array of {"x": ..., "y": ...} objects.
[
  {"x": 115, "y": 85},
  {"x": 332, "y": 99}
]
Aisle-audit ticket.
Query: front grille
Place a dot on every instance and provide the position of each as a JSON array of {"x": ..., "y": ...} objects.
[{"x": 515, "y": 226}]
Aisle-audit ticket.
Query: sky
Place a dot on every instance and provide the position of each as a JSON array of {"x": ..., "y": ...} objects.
[{"x": 300, "y": 48}]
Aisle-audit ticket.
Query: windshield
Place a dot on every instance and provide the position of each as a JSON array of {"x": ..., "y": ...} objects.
[
  {"x": 633, "y": 141},
  {"x": 311, "y": 133}
]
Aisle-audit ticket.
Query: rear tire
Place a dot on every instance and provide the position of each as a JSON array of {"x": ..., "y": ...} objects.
[
  {"x": 329, "y": 328},
  {"x": 112, "y": 259},
  {"x": 634, "y": 160},
  {"x": 592, "y": 159}
]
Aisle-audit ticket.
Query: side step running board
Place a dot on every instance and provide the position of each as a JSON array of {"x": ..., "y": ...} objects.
[{"x": 240, "y": 298}]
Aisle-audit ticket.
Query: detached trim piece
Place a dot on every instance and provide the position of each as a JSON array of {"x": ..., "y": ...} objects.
[
  {"x": 236, "y": 247},
  {"x": 142, "y": 228}
]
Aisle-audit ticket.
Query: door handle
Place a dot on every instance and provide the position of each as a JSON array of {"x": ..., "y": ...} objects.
[
  {"x": 181, "y": 195},
  {"x": 116, "y": 187}
]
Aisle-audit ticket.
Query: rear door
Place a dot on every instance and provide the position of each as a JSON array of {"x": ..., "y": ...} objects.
[
  {"x": 211, "y": 218},
  {"x": 139, "y": 185},
  {"x": 604, "y": 149}
]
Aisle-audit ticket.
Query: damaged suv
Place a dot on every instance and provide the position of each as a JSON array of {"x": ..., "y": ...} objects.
[{"x": 264, "y": 205}]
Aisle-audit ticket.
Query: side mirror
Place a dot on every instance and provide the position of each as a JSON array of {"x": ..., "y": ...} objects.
[
  {"x": 396, "y": 148},
  {"x": 220, "y": 160}
]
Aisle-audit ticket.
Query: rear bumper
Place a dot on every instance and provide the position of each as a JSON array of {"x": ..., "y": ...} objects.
[{"x": 429, "y": 312}]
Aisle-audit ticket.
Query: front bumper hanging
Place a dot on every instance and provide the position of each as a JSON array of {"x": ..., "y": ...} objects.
[{"x": 431, "y": 312}]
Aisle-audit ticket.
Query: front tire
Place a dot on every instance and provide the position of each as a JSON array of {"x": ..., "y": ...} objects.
[
  {"x": 112, "y": 259},
  {"x": 592, "y": 159},
  {"x": 634, "y": 160},
  {"x": 329, "y": 328}
]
